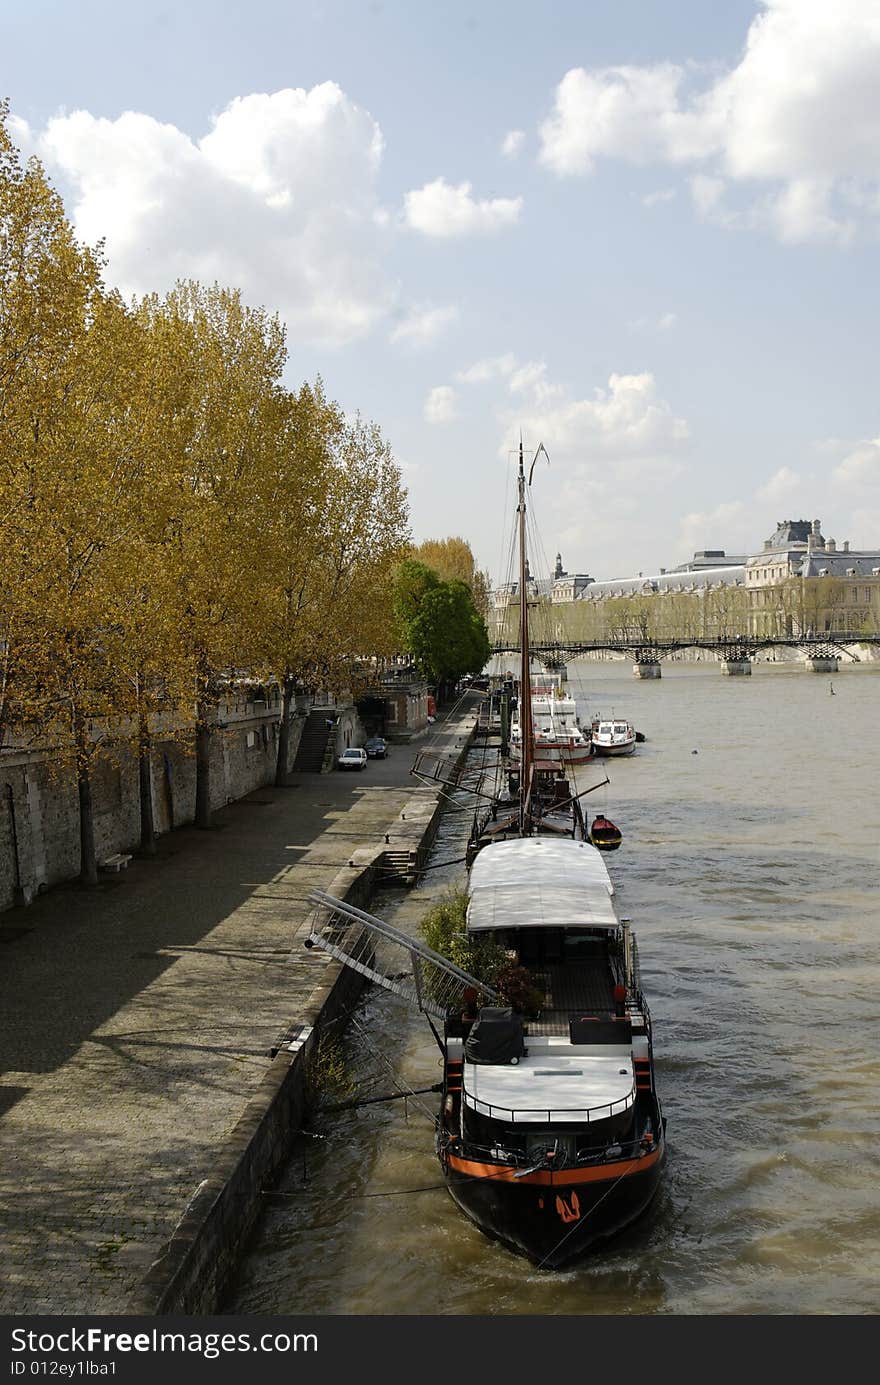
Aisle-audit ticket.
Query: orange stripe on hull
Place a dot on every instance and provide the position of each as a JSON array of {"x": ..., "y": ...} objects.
[{"x": 563, "y": 1177}]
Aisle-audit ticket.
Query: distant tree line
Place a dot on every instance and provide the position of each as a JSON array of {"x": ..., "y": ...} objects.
[{"x": 796, "y": 606}]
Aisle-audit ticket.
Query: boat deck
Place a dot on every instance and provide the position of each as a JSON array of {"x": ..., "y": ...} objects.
[{"x": 571, "y": 990}]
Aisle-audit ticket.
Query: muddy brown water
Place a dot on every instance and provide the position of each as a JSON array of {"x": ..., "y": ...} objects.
[{"x": 751, "y": 869}]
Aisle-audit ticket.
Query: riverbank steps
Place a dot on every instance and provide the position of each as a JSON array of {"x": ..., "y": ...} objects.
[{"x": 157, "y": 1032}]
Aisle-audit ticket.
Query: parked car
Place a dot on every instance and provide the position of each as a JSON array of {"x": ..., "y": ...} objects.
[
  {"x": 353, "y": 758},
  {"x": 376, "y": 748}
]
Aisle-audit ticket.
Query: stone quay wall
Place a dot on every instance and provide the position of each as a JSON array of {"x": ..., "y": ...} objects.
[
  {"x": 198, "y": 1263},
  {"x": 39, "y": 804}
]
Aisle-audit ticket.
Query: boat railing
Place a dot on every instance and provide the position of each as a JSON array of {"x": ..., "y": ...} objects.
[
  {"x": 528, "y": 1115},
  {"x": 634, "y": 961}
]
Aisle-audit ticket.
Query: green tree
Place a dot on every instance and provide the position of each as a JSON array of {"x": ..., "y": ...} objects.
[{"x": 448, "y": 636}]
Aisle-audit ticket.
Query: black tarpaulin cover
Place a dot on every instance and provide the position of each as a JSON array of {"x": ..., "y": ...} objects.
[{"x": 496, "y": 1037}]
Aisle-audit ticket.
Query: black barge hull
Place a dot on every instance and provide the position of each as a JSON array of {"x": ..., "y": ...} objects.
[{"x": 555, "y": 1218}]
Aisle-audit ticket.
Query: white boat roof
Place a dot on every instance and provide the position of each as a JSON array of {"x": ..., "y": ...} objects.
[
  {"x": 540, "y": 882},
  {"x": 563, "y": 1085}
]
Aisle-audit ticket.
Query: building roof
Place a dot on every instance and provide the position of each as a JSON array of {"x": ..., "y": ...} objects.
[
  {"x": 700, "y": 579},
  {"x": 794, "y": 531},
  {"x": 711, "y": 558},
  {"x": 841, "y": 564}
]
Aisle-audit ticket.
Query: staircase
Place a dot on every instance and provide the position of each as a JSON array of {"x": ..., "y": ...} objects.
[
  {"x": 313, "y": 744},
  {"x": 397, "y": 868}
]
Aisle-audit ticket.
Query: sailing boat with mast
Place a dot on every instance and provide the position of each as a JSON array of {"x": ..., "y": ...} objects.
[{"x": 550, "y": 1132}]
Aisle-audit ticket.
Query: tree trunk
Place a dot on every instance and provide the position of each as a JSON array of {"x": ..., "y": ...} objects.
[
  {"x": 284, "y": 731},
  {"x": 88, "y": 864},
  {"x": 145, "y": 778},
  {"x": 203, "y": 764}
]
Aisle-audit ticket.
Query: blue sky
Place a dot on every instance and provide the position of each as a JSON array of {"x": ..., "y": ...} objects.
[{"x": 643, "y": 232}]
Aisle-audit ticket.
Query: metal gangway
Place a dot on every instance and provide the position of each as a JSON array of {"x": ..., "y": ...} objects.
[{"x": 408, "y": 967}]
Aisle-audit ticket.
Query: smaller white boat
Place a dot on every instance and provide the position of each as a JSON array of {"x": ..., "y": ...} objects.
[{"x": 612, "y": 736}]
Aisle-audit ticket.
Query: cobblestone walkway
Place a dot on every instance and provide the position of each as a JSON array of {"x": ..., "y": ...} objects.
[{"x": 137, "y": 1021}]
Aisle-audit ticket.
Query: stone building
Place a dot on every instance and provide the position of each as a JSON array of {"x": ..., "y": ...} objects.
[
  {"x": 799, "y": 584},
  {"x": 568, "y": 586},
  {"x": 803, "y": 584}
]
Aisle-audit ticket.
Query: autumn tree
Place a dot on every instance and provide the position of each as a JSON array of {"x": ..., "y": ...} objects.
[
  {"x": 335, "y": 522},
  {"x": 225, "y": 441},
  {"x": 69, "y": 357},
  {"x": 47, "y": 287},
  {"x": 453, "y": 558},
  {"x": 169, "y": 512},
  {"x": 156, "y": 669}
]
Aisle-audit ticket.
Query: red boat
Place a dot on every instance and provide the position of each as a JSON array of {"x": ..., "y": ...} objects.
[{"x": 604, "y": 834}]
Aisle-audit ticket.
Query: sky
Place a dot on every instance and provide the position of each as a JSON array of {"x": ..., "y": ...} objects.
[{"x": 643, "y": 233}]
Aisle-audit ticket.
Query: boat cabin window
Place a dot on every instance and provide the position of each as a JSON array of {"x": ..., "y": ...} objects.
[
  {"x": 582, "y": 944},
  {"x": 620, "y": 728},
  {"x": 535, "y": 946}
]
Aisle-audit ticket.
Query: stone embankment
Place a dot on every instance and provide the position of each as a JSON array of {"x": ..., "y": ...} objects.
[{"x": 158, "y": 1031}]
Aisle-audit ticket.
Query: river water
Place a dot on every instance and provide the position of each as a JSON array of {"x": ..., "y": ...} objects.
[{"x": 751, "y": 870}]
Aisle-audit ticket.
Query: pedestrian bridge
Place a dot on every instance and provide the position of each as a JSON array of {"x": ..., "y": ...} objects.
[{"x": 736, "y": 654}]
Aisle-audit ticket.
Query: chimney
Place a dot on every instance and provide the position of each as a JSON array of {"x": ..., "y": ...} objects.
[
  {"x": 846, "y": 546},
  {"x": 830, "y": 546}
]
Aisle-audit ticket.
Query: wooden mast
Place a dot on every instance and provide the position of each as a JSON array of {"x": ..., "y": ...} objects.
[{"x": 525, "y": 685}]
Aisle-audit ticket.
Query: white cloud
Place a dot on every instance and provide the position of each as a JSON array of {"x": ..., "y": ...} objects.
[
  {"x": 795, "y": 125},
  {"x": 729, "y": 525},
  {"x": 616, "y": 454},
  {"x": 653, "y": 199},
  {"x": 708, "y": 194},
  {"x": 860, "y": 469},
  {"x": 620, "y": 112},
  {"x": 423, "y": 324},
  {"x": 782, "y": 484},
  {"x": 664, "y": 323},
  {"x": 439, "y": 209},
  {"x": 441, "y": 405},
  {"x": 615, "y": 457},
  {"x": 626, "y": 420},
  {"x": 279, "y": 199},
  {"x": 801, "y": 212},
  {"x": 865, "y": 529},
  {"x": 513, "y": 143},
  {"x": 489, "y": 368},
  {"x": 528, "y": 378}
]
